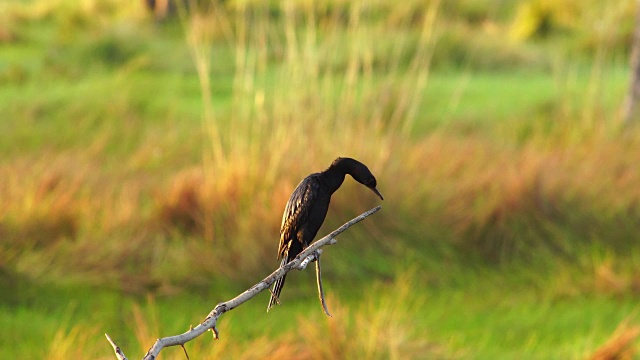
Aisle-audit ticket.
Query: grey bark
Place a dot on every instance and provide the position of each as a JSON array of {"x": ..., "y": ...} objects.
[{"x": 311, "y": 253}]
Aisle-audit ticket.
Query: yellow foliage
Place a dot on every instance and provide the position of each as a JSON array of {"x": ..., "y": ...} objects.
[{"x": 536, "y": 17}]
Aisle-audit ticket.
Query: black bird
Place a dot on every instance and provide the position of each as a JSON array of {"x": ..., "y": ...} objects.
[{"x": 307, "y": 207}]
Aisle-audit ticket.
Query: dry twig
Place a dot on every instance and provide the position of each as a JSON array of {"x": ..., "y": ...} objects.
[
  {"x": 116, "y": 349},
  {"x": 311, "y": 253}
]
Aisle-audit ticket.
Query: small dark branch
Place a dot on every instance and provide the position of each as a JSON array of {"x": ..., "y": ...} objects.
[
  {"x": 275, "y": 296},
  {"x": 319, "y": 280},
  {"x": 185, "y": 351},
  {"x": 209, "y": 323},
  {"x": 216, "y": 333}
]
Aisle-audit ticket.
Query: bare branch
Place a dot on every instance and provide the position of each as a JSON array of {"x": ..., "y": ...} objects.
[
  {"x": 116, "y": 349},
  {"x": 209, "y": 323}
]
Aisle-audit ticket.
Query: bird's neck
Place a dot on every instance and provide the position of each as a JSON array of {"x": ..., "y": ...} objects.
[{"x": 332, "y": 178}]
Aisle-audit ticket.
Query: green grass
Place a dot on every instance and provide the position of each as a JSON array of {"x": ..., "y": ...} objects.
[
  {"x": 132, "y": 204},
  {"x": 477, "y": 315}
]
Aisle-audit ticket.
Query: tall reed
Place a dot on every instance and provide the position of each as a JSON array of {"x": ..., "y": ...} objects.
[{"x": 312, "y": 81}]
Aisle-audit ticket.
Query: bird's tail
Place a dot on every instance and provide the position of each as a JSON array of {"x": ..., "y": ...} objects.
[{"x": 277, "y": 288}]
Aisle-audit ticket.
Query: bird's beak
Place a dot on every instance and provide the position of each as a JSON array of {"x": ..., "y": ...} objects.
[{"x": 377, "y": 192}]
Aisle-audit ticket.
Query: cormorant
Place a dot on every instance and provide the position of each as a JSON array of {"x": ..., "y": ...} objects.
[{"x": 307, "y": 207}]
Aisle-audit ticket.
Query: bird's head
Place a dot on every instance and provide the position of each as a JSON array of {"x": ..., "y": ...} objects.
[
  {"x": 372, "y": 184},
  {"x": 360, "y": 173}
]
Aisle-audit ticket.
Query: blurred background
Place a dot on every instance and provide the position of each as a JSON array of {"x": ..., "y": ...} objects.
[{"x": 148, "y": 148}]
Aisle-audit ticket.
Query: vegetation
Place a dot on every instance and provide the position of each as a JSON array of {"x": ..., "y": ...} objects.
[{"x": 146, "y": 164}]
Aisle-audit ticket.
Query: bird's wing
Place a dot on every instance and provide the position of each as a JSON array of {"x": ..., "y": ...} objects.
[{"x": 296, "y": 213}]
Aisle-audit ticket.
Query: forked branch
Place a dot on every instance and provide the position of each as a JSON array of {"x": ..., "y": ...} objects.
[{"x": 209, "y": 323}]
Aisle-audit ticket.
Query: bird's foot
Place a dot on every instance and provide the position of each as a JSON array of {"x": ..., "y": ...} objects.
[{"x": 313, "y": 257}]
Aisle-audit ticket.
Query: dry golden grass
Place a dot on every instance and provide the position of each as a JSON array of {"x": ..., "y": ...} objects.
[
  {"x": 499, "y": 200},
  {"x": 316, "y": 83},
  {"x": 78, "y": 342},
  {"x": 146, "y": 324},
  {"x": 309, "y": 86},
  {"x": 41, "y": 203},
  {"x": 610, "y": 279},
  {"x": 511, "y": 198},
  {"x": 382, "y": 326},
  {"x": 622, "y": 345}
]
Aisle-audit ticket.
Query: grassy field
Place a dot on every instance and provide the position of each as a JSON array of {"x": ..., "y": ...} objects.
[{"x": 145, "y": 166}]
